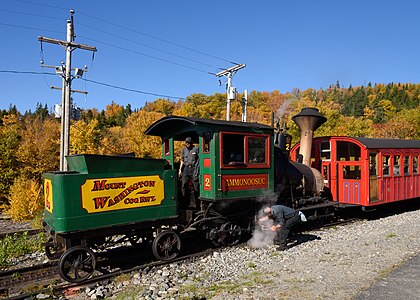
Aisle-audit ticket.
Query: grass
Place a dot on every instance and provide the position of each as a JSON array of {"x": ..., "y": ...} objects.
[
  {"x": 19, "y": 244},
  {"x": 391, "y": 235}
]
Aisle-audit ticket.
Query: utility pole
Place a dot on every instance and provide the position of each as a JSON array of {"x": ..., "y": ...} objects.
[
  {"x": 230, "y": 90},
  {"x": 66, "y": 89}
]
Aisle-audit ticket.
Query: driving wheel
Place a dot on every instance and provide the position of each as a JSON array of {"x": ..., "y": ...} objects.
[
  {"x": 233, "y": 233},
  {"x": 166, "y": 245},
  {"x": 77, "y": 264}
]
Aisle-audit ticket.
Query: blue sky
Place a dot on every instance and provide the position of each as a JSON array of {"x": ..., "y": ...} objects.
[{"x": 284, "y": 44}]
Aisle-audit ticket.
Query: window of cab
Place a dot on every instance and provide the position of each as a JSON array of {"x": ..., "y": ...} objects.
[
  {"x": 244, "y": 150},
  {"x": 347, "y": 151}
]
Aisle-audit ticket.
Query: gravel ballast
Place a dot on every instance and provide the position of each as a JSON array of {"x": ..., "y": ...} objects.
[{"x": 331, "y": 263}]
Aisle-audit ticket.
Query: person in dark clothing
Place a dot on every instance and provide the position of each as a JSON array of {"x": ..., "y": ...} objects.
[
  {"x": 284, "y": 219},
  {"x": 189, "y": 170}
]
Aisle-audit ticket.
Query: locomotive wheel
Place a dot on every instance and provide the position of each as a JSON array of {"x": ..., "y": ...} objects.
[
  {"x": 77, "y": 264},
  {"x": 166, "y": 245},
  {"x": 234, "y": 233},
  {"x": 214, "y": 238}
]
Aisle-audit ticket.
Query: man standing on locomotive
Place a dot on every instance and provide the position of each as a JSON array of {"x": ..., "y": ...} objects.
[
  {"x": 284, "y": 219},
  {"x": 189, "y": 170}
]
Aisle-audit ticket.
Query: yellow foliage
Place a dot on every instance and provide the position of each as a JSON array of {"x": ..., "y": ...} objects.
[
  {"x": 25, "y": 199},
  {"x": 113, "y": 110},
  {"x": 138, "y": 142},
  {"x": 114, "y": 142},
  {"x": 40, "y": 148},
  {"x": 9, "y": 119},
  {"x": 84, "y": 137}
]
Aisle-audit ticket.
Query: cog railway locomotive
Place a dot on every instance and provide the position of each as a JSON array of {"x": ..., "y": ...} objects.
[{"x": 243, "y": 166}]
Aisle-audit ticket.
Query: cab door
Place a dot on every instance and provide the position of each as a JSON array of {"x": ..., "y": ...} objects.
[
  {"x": 350, "y": 183},
  {"x": 326, "y": 173},
  {"x": 373, "y": 177}
]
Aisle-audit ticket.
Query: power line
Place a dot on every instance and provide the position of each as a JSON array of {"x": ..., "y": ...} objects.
[
  {"x": 30, "y": 14},
  {"x": 96, "y": 82},
  {"x": 39, "y": 4},
  {"x": 133, "y": 30},
  {"x": 156, "y": 38},
  {"x": 146, "y": 55},
  {"x": 31, "y": 28},
  {"x": 122, "y": 48},
  {"x": 144, "y": 45},
  {"x": 131, "y": 90},
  {"x": 26, "y": 72}
]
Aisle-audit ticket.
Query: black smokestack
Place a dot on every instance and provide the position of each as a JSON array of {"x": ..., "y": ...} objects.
[{"x": 308, "y": 120}]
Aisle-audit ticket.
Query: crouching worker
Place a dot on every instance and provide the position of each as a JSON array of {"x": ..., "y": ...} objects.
[{"x": 284, "y": 219}]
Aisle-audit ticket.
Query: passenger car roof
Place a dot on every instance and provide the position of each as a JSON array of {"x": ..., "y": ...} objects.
[{"x": 388, "y": 143}]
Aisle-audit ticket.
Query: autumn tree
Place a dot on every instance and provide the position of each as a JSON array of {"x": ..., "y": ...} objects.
[
  {"x": 85, "y": 137},
  {"x": 137, "y": 141},
  {"x": 26, "y": 199},
  {"x": 9, "y": 143},
  {"x": 114, "y": 141},
  {"x": 39, "y": 149},
  {"x": 163, "y": 106},
  {"x": 115, "y": 114},
  {"x": 404, "y": 125}
]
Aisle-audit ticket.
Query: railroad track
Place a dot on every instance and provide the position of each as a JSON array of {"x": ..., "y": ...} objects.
[
  {"x": 45, "y": 278},
  {"x": 17, "y": 280},
  {"x": 60, "y": 286}
]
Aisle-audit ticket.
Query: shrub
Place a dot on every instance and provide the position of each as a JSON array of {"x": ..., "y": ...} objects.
[
  {"x": 25, "y": 199},
  {"x": 17, "y": 245}
]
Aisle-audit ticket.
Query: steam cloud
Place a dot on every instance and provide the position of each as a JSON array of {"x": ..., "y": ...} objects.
[{"x": 262, "y": 235}]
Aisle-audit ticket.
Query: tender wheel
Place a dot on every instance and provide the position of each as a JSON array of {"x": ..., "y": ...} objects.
[
  {"x": 52, "y": 252},
  {"x": 138, "y": 241},
  {"x": 166, "y": 245},
  {"x": 233, "y": 233},
  {"x": 77, "y": 264}
]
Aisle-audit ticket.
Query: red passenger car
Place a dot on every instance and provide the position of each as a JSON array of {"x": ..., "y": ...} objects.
[{"x": 366, "y": 171}]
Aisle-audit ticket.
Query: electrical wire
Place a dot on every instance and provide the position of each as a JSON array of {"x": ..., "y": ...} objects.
[
  {"x": 26, "y": 72},
  {"x": 41, "y": 54},
  {"x": 133, "y": 30},
  {"x": 146, "y": 55},
  {"x": 30, "y": 14},
  {"x": 39, "y": 4},
  {"x": 156, "y": 38},
  {"x": 114, "y": 46},
  {"x": 132, "y": 90},
  {"x": 31, "y": 28},
  {"x": 96, "y": 82},
  {"x": 144, "y": 45}
]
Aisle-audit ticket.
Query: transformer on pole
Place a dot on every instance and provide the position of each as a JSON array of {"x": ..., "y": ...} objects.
[{"x": 230, "y": 90}]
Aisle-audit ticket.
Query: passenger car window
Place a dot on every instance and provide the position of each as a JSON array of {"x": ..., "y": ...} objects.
[
  {"x": 386, "y": 161},
  {"x": 397, "y": 168},
  {"x": 406, "y": 165}
]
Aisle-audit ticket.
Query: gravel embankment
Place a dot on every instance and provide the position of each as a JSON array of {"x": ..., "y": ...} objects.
[{"x": 331, "y": 263}]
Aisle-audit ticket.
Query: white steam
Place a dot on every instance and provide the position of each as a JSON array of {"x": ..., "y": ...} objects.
[{"x": 262, "y": 235}]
